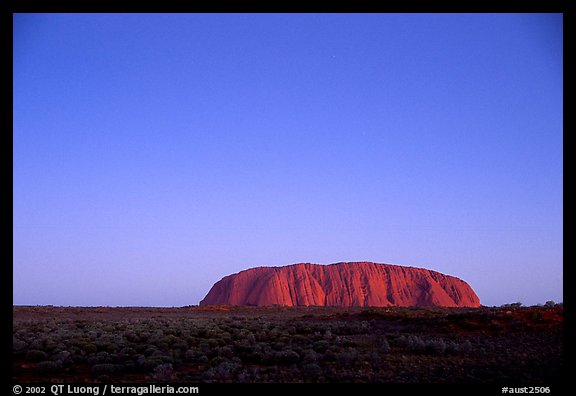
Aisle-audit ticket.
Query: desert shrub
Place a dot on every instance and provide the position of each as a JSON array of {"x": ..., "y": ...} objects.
[
  {"x": 536, "y": 316},
  {"x": 261, "y": 336},
  {"x": 347, "y": 358},
  {"x": 35, "y": 355},
  {"x": 149, "y": 364},
  {"x": 268, "y": 357},
  {"x": 162, "y": 356},
  {"x": 50, "y": 345},
  {"x": 129, "y": 366},
  {"x": 278, "y": 346},
  {"x": 204, "y": 347},
  {"x": 128, "y": 351},
  {"x": 104, "y": 378},
  {"x": 303, "y": 328},
  {"x": 113, "y": 347},
  {"x": 163, "y": 372},
  {"x": 225, "y": 352},
  {"x": 330, "y": 355},
  {"x": 162, "y": 346},
  {"x": 452, "y": 348},
  {"x": 254, "y": 357},
  {"x": 466, "y": 346},
  {"x": 170, "y": 339},
  {"x": 76, "y": 341},
  {"x": 241, "y": 348},
  {"x": 432, "y": 347},
  {"x": 312, "y": 370},
  {"x": 217, "y": 360},
  {"x": 49, "y": 366},
  {"x": 374, "y": 359},
  {"x": 383, "y": 345},
  {"x": 286, "y": 357},
  {"x": 415, "y": 344},
  {"x": 180, "y": 345},
  {"x": 236, "y": 334},
  {"x": 140, "y": 361},
  {"x": 400, "y": 342},
  {"x": 455, "y": 348},
  {"x": 350, "y": 328},
  {"x": 512, "y": 305},
  {"x": 310, "y": 356},
  {"x": 19, "y": 346},
  {"x": 37, "y": 344},
  {"x": 120, "y": 357},
  {"x": 321, "y": 346},
  {"x": 435, "y": 347},
  {"x": 99, "y": 358},
  {"x": 132, "y": 337},
  {"x": 74, "y": 350},
  {"x": 150, "y": 351},
  {"x": 64, "y": 357},
  {"x": 79, "y": 358},
  {"x": 89, "y": 348},
  {"x": 192, "y": 355},
  {"x": 251, "y": 339},
  {"x": 106, "y": 368},
  {"x": 223, "y": 372}
]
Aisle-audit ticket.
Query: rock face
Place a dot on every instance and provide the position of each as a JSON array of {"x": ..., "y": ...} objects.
[{"x": 341, "y": 284}]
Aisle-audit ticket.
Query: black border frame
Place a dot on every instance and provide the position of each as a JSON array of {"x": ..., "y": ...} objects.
[{"x": 566, "y": 7}]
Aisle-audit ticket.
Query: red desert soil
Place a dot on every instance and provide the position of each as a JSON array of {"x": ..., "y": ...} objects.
[{"x": 342, "y": 284}]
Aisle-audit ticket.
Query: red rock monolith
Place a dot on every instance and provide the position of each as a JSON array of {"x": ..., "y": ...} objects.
[{"x": 342, "y": 284}]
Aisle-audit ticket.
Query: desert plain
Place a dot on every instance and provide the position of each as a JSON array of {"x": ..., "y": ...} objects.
[{"x": 222, "y": 344}]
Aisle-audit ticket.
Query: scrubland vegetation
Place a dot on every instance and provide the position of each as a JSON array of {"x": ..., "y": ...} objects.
[{"x": 316, "y": 344}]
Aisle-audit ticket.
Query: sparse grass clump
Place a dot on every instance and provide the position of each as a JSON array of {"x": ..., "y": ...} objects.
[{"x": 294, "y": 345}]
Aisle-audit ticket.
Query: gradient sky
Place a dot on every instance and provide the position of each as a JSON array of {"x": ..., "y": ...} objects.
[{"x": 155, "y": 154}]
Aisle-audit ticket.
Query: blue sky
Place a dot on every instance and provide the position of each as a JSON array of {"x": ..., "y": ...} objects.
[{"x": 156, "y": 153}]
